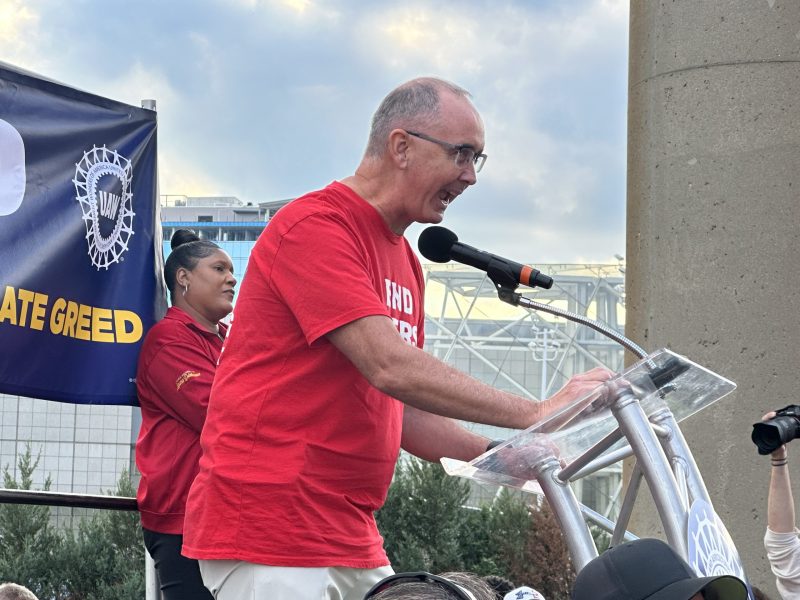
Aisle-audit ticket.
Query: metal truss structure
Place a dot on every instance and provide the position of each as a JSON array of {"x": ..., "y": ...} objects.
[{"x": 525, "y": 352}]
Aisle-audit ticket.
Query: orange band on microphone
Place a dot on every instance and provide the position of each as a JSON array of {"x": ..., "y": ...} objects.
[{"x": 525, "y": 274}]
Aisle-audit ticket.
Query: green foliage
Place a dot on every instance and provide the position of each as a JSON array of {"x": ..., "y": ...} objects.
[
  {"x": 105, "y": 557},
  {"x": 29, "y": 545},
  {"x": 511, "y": 523},
  {"x": 602, "y": 539},
  {"x": 426, "y": 526},
  {"x": 545, "y": 550},
  {"x": 424, "y": 523},
  {"x": 423, "y": 511},
  {"x": 101, "y": 559},
  {"x": 475, "y": 540}
]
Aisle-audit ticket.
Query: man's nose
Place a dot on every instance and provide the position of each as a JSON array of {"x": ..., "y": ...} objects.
[{"x": 468, "y": 174}]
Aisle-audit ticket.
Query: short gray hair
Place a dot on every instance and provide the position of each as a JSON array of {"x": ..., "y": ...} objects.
[
  {"x": 413, "y": 104},
  {"x": 12, "y": 591}
]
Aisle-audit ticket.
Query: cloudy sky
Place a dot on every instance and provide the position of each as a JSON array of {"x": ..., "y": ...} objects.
[{"x": 268, "y": 99}]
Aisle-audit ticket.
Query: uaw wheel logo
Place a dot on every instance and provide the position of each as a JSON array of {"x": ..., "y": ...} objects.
[
  {"x": 102, "y": 186},
  {"x": 711, "y": 549}
]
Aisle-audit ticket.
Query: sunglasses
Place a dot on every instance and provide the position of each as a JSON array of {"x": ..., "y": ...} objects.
[{"x": 419, "y": 577}]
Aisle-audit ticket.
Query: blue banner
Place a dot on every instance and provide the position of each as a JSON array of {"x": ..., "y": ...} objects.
[{"x": 80, "y": 241}]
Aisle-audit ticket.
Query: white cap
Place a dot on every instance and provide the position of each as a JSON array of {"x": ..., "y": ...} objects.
[{"x": 523, "y": 593}]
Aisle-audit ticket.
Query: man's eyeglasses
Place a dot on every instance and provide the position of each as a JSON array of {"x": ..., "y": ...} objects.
[
  {"x": 419, "y": 577},
  {"x": 465, "y": 153}
]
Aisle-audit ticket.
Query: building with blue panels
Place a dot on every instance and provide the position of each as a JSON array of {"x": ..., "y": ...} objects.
[{"x": 226, "y": 220}]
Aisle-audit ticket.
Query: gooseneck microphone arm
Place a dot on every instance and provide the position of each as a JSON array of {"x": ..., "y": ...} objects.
[
  {"x": 516, "y": 299},
  {"x": 441, "y": 245}
]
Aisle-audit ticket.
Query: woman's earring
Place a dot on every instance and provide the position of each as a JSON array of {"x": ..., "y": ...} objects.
[{"x": 185, "y": 289}]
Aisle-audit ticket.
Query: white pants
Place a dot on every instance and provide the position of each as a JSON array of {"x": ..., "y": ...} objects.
[{"x": 239, "y": 580}]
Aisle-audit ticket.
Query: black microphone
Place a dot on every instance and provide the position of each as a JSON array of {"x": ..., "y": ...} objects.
[{"x": 441, "y": 245}]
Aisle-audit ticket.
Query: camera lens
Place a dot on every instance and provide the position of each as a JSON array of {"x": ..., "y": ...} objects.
[
  {"x": 771, "y": 435},
  {"x": 767, "y": 437}
]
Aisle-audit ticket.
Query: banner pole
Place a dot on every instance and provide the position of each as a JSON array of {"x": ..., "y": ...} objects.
[{"x": 151, "y": 577}]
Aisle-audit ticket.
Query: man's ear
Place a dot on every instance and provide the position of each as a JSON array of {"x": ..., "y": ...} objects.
[{"x": 398, "y": 148}]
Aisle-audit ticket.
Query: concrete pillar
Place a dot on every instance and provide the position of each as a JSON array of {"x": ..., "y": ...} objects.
[{"x": 713, "y": 249}]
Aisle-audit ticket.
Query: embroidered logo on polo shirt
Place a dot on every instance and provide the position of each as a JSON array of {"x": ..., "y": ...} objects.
[{"x": 185, "y": 376}]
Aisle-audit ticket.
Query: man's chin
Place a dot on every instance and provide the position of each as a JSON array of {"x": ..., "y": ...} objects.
[{"x": 437, "y": 217}]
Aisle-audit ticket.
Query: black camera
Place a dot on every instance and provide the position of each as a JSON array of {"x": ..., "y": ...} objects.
[{"x": 781, "y": 429}]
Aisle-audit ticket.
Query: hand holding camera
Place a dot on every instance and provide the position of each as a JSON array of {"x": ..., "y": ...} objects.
[{"x": 780, "y": 429}]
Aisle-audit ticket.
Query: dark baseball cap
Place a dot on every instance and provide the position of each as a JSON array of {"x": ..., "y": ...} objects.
[{"x": 648, "y": 569}]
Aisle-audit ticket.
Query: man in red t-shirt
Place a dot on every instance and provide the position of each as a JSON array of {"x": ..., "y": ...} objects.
[{"x": 322, "y": 378}]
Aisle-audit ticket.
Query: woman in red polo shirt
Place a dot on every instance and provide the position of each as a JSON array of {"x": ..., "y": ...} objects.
[{"x": 173, "y": 381}]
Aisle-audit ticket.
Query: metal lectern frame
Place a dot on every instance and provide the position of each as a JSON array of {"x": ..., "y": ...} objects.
[{"x": 635, "y": 414}]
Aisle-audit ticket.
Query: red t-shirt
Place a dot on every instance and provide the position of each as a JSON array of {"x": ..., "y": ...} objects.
[
  {"x": 298, "y": 448},
  {"x": 173, "y": 381}
]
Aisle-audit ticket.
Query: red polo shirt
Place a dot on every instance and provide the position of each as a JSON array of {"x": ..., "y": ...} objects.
[{"x": 173, "y": 381}]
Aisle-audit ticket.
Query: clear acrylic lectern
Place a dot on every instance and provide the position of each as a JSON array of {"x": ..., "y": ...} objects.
[{"x": 634, "y": 414}]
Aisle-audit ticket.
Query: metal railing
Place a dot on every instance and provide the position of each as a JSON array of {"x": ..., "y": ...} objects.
[
  {"x": 95, "y": 501},
  {"x": 71, "y": 500}
]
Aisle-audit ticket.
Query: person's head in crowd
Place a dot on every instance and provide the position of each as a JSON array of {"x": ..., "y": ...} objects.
[
  {"x": 12, "y": 591},
  {"x": 500, "y": 585},
  {"x": 648, "y": 569},
  {"x": 523, "y": 593},
  {"x": 419, "y": 585},
  {"x": 199, "y": 277}
]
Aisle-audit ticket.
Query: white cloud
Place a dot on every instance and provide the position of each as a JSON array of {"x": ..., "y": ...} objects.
[
  {"x": 181, "y": 168},
  {"x": 509, "y": 39},
  {"x": 139, "y": 82},
  {"x": 617, "y": 9},
  {"x": 417, "y": 36},
  {"x": 307, "y": 13},
  {"x": 180, "y": 176},
  {"x": 20, "y": 35},
  {"x": 270, "y": 98},
  {"x": 207, "y": 58}
]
